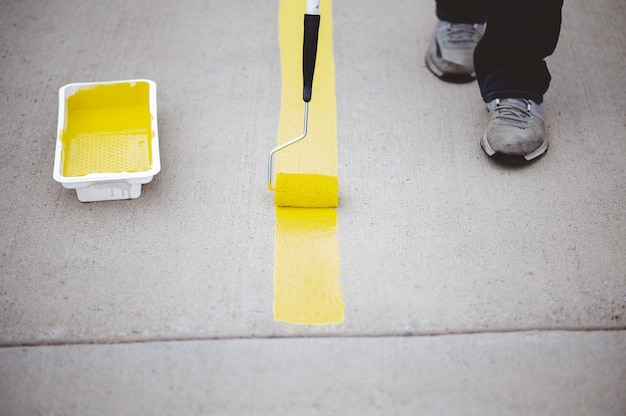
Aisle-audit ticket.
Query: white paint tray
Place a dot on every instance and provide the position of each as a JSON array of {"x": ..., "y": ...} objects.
[{"x": 107, "y": 139}]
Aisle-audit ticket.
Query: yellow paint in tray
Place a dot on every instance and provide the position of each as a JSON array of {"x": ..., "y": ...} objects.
[{"x": 108, "y": 130}]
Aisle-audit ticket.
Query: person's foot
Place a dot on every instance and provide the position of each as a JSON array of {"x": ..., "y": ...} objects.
[
  {"x": 450, "y": 55},
  {"x": 516, "y": 131}
]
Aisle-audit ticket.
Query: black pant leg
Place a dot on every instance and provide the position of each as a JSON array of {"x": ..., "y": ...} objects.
[
  {"x": 462, "y": 11},
  {"x": 509, "y": 59}
]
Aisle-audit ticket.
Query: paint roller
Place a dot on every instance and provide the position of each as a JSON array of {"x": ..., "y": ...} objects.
[{"x": 307, "y": 190}]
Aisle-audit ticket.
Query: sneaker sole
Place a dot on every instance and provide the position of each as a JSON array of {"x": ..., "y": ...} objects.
[
  {"x": 512, "y": 158},
  {"x": 453, "y": 78}
]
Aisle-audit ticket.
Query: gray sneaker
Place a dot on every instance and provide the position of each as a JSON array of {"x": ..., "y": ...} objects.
[
  {"x": 516, "y": 130},
  {"x": 450, "y": 55}
]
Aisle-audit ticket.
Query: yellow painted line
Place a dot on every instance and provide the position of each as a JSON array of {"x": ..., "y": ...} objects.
[
  {"x": 306, "y": 172},
  {"x": 306, "y": 267},
  {"x": 306, "y": 255}
]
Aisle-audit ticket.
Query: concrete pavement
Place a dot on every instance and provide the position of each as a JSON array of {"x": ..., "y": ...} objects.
[{"x": 532, "y": 373}]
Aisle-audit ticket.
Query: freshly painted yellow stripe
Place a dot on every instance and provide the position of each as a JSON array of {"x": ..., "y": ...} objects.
[
  {"x": 306, "y": 255},
  {"x": 306, "y": 267},
  {"x": 308, "y": 167}
]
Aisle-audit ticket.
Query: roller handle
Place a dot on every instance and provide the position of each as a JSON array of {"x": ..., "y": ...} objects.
[{"x": 309, "y": 53}]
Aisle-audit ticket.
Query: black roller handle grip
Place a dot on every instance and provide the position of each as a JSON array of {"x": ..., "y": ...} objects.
[{"x": 309, "y": 53}]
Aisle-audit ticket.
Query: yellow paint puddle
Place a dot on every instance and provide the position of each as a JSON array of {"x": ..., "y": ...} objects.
[
  {"x": 306, "y": 259},
  {"x": 108, "y": 130}
]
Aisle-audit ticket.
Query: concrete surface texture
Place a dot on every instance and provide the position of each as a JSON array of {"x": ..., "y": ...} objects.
[{"x": 470, "y": 287}]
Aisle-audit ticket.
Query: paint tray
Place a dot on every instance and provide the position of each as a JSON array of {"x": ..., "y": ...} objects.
[{"x": 107, "y": 142}]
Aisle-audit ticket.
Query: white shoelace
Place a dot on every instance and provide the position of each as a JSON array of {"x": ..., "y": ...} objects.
[
  {"x": 515, "y": 113},
  {"x": 458, "y": 33}
]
